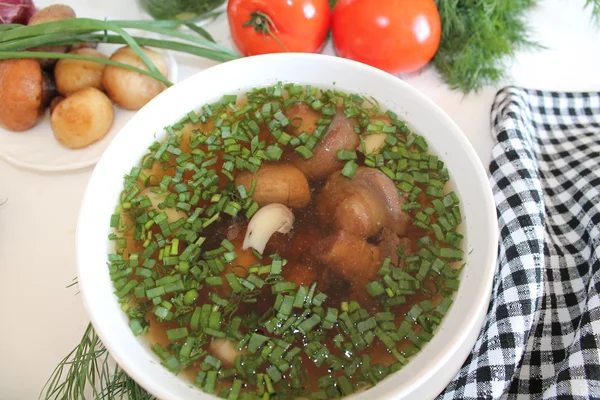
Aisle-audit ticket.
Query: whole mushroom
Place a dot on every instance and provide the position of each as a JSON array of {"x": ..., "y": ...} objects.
[{"x": 24, "y": 92}]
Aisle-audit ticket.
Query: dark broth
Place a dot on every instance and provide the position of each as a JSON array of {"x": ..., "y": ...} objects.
[{"x": 173, "y": 246}]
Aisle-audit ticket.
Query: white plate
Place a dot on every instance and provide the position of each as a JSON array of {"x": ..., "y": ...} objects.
[{"x": 37, "y": 149}]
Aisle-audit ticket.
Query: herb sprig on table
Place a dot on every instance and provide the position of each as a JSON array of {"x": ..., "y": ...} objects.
[
  {"x": 87, "y": 370},
  {"x": 479, "y": 39},
  {"x": 594, "y": 5}
]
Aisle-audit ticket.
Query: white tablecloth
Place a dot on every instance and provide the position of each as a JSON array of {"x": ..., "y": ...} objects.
[{"x": 41, "y": 320}]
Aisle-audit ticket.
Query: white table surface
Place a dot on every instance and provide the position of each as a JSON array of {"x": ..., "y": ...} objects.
[{"x": 42, "y": 320}]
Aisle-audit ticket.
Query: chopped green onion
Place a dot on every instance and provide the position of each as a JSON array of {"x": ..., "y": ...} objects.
[
  {"x": 305, "y": 152},
  {"x": 446, "y": 252},
  {"x": 350, "y": 169},
  {"x": 308, "y": 324},
  {"x": 211, "y": 380},
  {"x": 346, "y": 155},
  {"x": 375, "y": 288},
  {"x": 177, "y": 334},
  {"x": 256, "y": 341}
]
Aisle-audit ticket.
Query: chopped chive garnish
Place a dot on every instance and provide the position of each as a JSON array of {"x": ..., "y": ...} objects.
[
  {"x": 177, "y": 334},
  {"x": 304, "y": 152},
  {"x": 349, "y": 169},
  {"x": 451, "y": 253},
  {"x": 375, "y": 288},
  {"x": 346, "y": 155}
]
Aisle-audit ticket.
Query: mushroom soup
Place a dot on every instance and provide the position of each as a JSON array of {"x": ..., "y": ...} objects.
[{"x": 297, "y": 243}]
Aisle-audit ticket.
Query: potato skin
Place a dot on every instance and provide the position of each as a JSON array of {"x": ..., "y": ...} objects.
[
  {"x": 20, "y": 94},
  {"x": 72, "y": 75},
  {"x": 129, "y": 89},
  {"x": 82, "y": 118},
  {"x": 53, "y": 12}
]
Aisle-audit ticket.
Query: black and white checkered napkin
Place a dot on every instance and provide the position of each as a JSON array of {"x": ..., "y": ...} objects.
[{"x": 542, "y": 332}]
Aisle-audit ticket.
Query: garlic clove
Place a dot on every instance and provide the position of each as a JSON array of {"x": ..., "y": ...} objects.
[{"x": 274, "y": 217}]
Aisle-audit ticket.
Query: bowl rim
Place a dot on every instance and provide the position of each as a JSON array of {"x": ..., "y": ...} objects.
[{"x": 456, "y": 349}]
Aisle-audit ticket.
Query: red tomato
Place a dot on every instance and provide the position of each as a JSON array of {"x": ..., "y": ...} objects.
[
  {"x": 396, "y": 36},
  {"x": 276, "y": 26}
]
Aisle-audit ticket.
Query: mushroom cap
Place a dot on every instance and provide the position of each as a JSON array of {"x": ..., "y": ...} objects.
[{"x": 21, "y": 94}]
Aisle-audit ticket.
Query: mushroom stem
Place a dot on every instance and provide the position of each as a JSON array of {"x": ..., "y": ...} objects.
[{"x": 271, "y": 218}]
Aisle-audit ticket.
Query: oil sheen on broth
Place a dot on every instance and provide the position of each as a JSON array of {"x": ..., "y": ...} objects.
[{"x": 297, "y": 243}]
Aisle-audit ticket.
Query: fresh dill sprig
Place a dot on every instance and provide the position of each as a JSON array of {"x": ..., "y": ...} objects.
[
  {"x": 121, "y": 386},
  {"x": 87, "y": 372},
  {"x": 478, "y": 40},
  {"x": 595, "y": 5}
]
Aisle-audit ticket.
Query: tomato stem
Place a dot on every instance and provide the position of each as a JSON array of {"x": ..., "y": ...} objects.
[{"x": 262, "y": 23}]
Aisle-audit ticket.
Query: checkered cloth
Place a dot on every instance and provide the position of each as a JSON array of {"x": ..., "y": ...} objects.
[{"x": 542, "y": 332}]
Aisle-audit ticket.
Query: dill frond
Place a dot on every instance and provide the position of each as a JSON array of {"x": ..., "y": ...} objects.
[
  {"x": 87, "y": 372},
  {"x": 478, "y": 40},
  {"x": 121, "y": 386},
  {"x": 595, "y": 6}
]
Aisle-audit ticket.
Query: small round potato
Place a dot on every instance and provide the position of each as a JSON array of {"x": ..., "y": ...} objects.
[
  {"x": 82, "y": 118},
  {"x": 72, "y": 75},
  {"x": 129, "y": 89},
  {"x": 51, "y": 13}
]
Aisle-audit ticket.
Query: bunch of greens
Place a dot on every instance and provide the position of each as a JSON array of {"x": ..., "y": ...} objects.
[
  {"x": 478, "y": 39},
  {"x": 16, "y": 40},
  {"x": 87, "y": 370}
]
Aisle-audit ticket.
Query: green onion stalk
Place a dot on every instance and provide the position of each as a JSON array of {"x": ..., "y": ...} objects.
[{"x": 18, "y": 41}]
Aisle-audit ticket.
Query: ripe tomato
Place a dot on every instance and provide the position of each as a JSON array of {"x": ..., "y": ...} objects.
[
  {"x": 276, "y": 26},
  {"x": 396, "y": 36}
]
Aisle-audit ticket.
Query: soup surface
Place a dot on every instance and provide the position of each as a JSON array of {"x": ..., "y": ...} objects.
[{"x": 295, "y": 242}]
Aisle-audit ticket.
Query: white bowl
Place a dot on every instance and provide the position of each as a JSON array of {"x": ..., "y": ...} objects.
[{"x": 431, "y": 369}]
